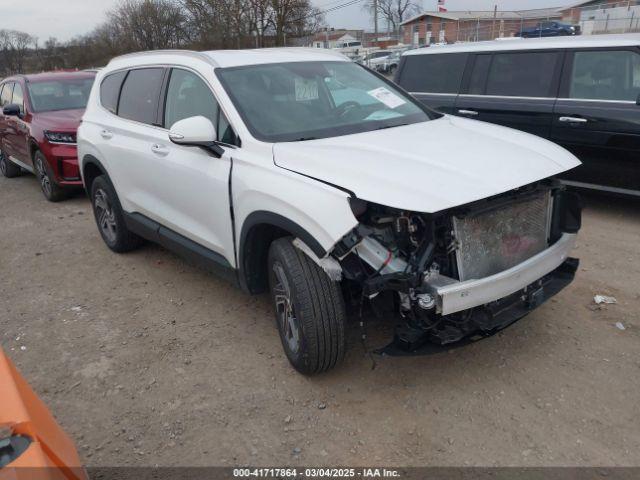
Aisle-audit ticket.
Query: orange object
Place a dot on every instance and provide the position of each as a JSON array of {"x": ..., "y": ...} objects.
[{"x": 51, "y": 455}]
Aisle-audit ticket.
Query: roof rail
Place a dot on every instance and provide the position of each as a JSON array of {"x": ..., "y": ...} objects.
[{"x": 189, "y": 53}]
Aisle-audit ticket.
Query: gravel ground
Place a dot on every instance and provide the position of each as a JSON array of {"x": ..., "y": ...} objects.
[{"x": 146, "y": 360}]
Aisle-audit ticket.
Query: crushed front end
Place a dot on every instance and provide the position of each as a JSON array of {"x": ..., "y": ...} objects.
[{"x": 468, "y": 271}]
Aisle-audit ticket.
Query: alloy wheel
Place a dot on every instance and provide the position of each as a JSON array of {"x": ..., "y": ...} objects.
[
  {"x": 43, "y": 176},
  {"x": 105, "y": 216},
  {"x": 285, "y": 312}
]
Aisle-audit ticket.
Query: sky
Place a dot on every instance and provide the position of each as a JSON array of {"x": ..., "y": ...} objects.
[{"x": 65, "y": 19}]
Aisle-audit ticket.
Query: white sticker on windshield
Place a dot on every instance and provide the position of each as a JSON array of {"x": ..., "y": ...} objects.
[
  {"x": 387, "y": 97},
  {"x": 306, "y": 90}
]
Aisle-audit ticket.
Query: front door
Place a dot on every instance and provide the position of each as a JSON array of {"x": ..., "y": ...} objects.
[
  {"x": 6, "y": 94},
  {"x": 185, "y": 189},
  {"x": 597, "y": 118},
  {"x": 17, "y": 133}
]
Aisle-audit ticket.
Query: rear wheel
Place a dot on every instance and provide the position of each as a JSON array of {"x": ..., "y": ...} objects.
[
  {"x": 309, "y": 309},
  {"x": 7, "y": 167},
  {"x": 51, "y": 190},
  {"x": 110, "y": 217}
]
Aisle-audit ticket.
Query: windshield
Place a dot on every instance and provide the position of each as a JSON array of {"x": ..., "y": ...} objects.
[
  {"x": 302, "y": 101},
  {"x": 67, "y": 94}
]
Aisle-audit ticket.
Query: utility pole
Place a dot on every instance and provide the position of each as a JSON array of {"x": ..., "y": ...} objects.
[
  {"x": 493, "y": 25},
  {"x": 375, "y": 20}
]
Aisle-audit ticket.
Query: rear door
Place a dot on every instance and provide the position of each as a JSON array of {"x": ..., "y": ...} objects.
[
  {"x": 516, "y": 89},
  {"x": 433, "y": 78},
  {"x": 131, "y": 139},
  {"x": 597, "y": 117}
]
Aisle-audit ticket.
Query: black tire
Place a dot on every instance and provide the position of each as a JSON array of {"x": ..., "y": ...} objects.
[
  {"x": 8, "y": 169},
  {"x": 50, "y": 189},
  {"x": 110, "y": 217},
  {"x": 314, "y": 307}
]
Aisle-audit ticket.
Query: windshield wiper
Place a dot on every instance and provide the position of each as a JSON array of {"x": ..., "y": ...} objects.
[
  {"x": 304, "y": 139},
  {"x": 392, "y": 126}
]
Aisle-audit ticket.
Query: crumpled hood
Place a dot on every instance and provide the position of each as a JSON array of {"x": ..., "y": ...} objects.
[
  {"x": 428, "y": 167},
  {"x": 63, "y": 120}
]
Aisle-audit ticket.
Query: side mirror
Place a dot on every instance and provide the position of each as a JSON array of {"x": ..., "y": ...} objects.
[
  {"x": 12, "y": 110},
  {"x": 196, "y": 132},
  {"x": 193, "y": 131}
]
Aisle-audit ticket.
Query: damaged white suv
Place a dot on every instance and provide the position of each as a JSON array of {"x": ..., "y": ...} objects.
[{"x": 302, "y": 173}]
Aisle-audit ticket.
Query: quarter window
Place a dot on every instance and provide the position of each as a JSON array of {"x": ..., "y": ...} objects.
[
  {"x": 606, "y": 75},
  {"x": 522, "y": 74},
  {"x": 110, "y": 91},
  {"x": 433, "y": 73},
  {"x": 140, "y": 95}
]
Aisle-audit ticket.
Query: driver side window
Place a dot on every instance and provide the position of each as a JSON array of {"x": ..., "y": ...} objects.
[
  {"x": 5, "y": 97},
  {"x": 18, "y": 97},
  {"x": 189, "y": 96}
]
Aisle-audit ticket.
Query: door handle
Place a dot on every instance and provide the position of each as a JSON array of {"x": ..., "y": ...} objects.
[
  {"x": 473, "y": 113},
  {"x": 159, "y": 149},
  {"x": 573, "y": 120},
  {"x": 106, "y": 134}
]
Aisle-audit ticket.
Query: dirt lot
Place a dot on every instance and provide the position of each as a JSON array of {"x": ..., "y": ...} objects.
[{"x": 147, "y": 360}]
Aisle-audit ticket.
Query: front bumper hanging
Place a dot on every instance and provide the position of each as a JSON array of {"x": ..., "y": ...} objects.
[
  {"x": 459, "y": 296},
  {"x": 483, "y": 321}
]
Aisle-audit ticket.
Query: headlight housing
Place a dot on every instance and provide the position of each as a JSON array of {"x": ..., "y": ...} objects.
[{"x": 60, "y": 137}]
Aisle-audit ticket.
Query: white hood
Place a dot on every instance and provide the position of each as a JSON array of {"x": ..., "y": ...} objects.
[{"x": 428, "y": 167}]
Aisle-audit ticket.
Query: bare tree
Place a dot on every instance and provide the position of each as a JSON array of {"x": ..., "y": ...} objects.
[
  {"x": 149, "y": 24},
  {"x": 136, "y": 25},
  {"x": 394, "y": 12},
  {"x": 50, "y": 55},
  {"x": 14, "y": 49},
  {"x": 292, "y": 17},
  {"x": 261, "y": 19}
]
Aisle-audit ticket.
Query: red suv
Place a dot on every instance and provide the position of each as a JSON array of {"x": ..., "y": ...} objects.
[{"x": 40, "y": 116}]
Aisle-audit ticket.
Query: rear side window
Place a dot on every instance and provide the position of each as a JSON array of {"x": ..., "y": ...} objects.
[
  {"x": 110, "y": 91},
  {"x": 433, "y": 73},
  {"x": 140, "y": 95},
  {"x": 528, "y": 74},
  {"x": 606, "y": 75},
  {"x": 18, "y": 97},
  {"x": 5, "y": 96}
]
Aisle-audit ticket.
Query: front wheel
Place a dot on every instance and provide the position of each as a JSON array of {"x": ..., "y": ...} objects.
[
  {"x": 51, "y": 190},
  {"x": 309, "y": 309},
  {"x": 8, "y": 169}
]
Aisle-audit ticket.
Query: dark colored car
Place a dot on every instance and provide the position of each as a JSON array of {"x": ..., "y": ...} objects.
[
  {"x": 38, "y": 123},
  {"x": 549, "y": 29},
  {"x": 579, "y": 92}
]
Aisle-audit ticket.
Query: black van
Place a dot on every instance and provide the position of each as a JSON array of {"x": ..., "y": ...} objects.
[{"x": 580, "y": 92}]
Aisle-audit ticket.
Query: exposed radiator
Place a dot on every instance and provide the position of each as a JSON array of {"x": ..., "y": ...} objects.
[{"x": 496, "y": 240}]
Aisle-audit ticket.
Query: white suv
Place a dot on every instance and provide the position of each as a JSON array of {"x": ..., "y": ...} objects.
[{"x": 301, "y": 173}]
